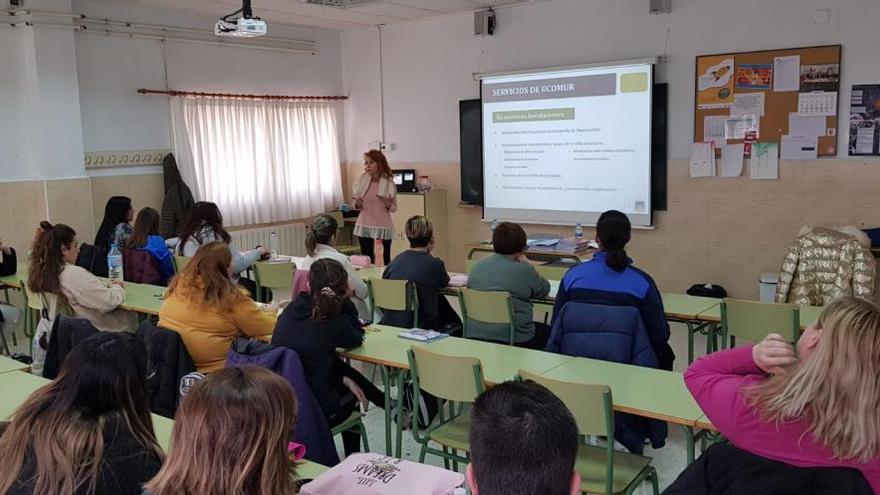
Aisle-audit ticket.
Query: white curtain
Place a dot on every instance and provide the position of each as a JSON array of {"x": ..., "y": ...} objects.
[{"x": 259, "y": 160}]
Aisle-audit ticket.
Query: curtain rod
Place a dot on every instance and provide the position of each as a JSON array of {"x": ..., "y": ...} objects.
[{"x": 238, "y": 95}]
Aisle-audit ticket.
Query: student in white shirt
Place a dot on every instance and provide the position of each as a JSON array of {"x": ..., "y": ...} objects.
[{"x": 319, "y": 244}]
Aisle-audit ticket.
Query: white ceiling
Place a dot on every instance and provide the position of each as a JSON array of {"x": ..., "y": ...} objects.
[{"x": 300, "y": 13}]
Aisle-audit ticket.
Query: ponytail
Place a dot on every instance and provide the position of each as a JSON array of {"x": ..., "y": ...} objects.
[
  {"x": 617, "y": 260},
  {"x": 323, "y": 229},
  {"x": 47, "y": 260},
  {"x": 613, "y": 230},
  {"x": 328, "y": 286}
]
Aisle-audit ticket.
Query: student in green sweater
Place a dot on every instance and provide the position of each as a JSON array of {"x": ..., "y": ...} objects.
[{"x": 507, "y": 270}]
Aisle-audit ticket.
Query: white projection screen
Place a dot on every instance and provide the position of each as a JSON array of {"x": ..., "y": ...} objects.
[{"x": 560, "y": 146}]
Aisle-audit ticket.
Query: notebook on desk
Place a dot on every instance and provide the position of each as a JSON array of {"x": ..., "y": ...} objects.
[{"x": 422, "y": 335}]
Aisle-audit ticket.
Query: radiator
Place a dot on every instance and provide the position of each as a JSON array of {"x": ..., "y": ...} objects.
[{"x": 291, "y": 238}]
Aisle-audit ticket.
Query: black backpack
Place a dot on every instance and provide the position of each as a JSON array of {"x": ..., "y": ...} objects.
[
  {"x": 94, "y": 259},
  {"x": 707, "y": 290}
]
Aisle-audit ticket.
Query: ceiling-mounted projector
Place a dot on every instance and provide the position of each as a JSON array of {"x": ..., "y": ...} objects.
[{"x": 243, "y": 26}]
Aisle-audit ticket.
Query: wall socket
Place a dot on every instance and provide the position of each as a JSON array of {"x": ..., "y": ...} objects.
[{"x": 821, "y": 16}]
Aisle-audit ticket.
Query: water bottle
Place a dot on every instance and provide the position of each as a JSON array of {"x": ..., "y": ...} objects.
[
  {"x": 273, "y": 244},
  {"x": 379, "y": 253},
  {"x": 578, "y": 231},
  {"x": 114, "y": 264},
  {"x": 494, "y": 224}
]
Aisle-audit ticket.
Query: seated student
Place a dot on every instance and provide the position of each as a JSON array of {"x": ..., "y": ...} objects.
[
  {"x": 115, "y": 227},
  {"x": 610, "y": 279},
  {"x": 230, "y": 436},
  {"x": 508, "y": 270},
  {"x": 523, "y": 441},
  {"x": 429, "y": 275},
  {"x": 9, "y": 314},
  {"x": 315, "y": 325},
  {"x": 813, "y": 406},
  {"x": 320, "y": 240},
  {"x": 89, "y": 431},
  {"x": 145, "y": 237},
  {"x": 53, "y": 275},
  {"x": 209, "y": 310},
  {"x": 205, "y": 225}
]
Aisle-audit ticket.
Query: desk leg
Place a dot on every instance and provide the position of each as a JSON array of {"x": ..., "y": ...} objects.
[
  {"x": 691, "y": 331},
  {"x": 386, "y": 381},
  {"x": 401, "y": 379},
  {"x": 691, "y": 443}
]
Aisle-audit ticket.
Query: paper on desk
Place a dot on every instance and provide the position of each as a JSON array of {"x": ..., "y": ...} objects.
[
  {"x": 806, "y": 125},
  {"x": 732, "y": 160},
  {"x": 787, "y": 73},
  {"x": 702, "y": 160},
  {"x": 800, "y": 147},
  {"x": 747, "y": 104},
  {"x": 713, "y": 129},
  {"x": 765, "y": 161}
]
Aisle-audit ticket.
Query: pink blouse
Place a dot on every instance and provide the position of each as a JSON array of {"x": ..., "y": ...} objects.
[{"x": 374, "y": 220}]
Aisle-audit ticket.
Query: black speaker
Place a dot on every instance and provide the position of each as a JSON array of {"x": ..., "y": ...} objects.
[
  {"x": 470, "y": 121},
  {"x": 659, "y": 153}
]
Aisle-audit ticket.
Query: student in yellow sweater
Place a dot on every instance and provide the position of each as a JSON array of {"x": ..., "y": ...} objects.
[{"x": 209, "y": 310}]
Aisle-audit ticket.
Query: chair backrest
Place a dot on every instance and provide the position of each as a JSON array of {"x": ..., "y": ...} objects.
[
  {"x": 590, "y": 405},
  {"x": 753, "y": 320},
  {"x": 454, "y": 378},
  {"x": 274, "y": 275},
  {"x": 33, "y": 300},
  {"x": 487, "y": 306},
  {"x": 180, "y": 262},
  {"x": 394, "y": 295},
  {"x": 551, "y": 272},
  {"x": 469, "y": 265}
]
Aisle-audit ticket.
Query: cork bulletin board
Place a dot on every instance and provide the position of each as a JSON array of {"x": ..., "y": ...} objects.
[{"x": 767, "y": 95}]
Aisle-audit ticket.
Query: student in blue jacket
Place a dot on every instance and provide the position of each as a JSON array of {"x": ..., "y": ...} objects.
[
  {"x": 610, "y": 280},
  {"x": 145, "y": 237}
]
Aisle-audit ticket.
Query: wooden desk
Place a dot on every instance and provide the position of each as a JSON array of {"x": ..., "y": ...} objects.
[
  {"x": 537, "y": 255},
  {"x": 140, "y": 298},
  {"x": 143, "y": 298},
  {"x": 9, "y": 364}
]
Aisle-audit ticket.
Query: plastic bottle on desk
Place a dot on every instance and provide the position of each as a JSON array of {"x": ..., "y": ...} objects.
[
  {"x": 273, "y": 244},
  {"x": 378, "y": 253},
  {"x": 114, "y": 264},
  {"x": 578, "y": 231}
]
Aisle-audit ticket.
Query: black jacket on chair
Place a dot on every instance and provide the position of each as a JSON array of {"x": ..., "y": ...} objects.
[
  {"x": 67, "y": 332},
  {"x": 726, "y": 470},
  {"x": 167, "y": 361}
]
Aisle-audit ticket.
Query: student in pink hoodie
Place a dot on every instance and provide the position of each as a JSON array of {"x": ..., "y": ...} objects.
[{"x": 814, "y": 406}]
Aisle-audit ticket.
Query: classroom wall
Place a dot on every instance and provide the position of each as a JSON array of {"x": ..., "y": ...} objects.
[
  {"x": 64, "y": 93},
  {"x": 722, "y": 231}
]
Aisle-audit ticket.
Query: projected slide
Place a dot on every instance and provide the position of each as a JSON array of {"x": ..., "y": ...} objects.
[{"x": 564, "y": 146}]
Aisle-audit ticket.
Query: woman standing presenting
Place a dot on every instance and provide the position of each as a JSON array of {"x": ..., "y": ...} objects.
[{"x": 376, "y": 197}]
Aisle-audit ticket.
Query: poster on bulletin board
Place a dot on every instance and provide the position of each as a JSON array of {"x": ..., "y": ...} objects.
[
  {"x": 864, "y": 120},
  {"x": 788, "y": 97}
]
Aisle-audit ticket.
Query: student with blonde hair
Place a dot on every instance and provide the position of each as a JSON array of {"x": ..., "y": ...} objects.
[
  {"x": 209, "y": 310},
  {"x": 428, "y": 273},
  {"x": 813, "y": 405},
  {"x": 230, "y": 436}
]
